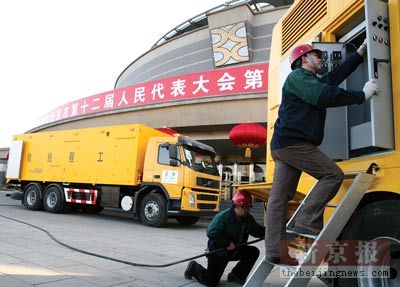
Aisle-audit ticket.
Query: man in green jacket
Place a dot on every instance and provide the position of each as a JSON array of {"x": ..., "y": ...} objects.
[
  {"x": 228, "y": 229},
  {"x": 298, "y": 132}
]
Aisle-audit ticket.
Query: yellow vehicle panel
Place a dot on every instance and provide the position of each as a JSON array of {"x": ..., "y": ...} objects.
[
  {"x": 333, "y": 17},
  {"x": 101, "y": 155}
]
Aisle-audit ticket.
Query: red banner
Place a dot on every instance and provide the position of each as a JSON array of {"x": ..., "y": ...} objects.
[{"x": 215, "y": 83}]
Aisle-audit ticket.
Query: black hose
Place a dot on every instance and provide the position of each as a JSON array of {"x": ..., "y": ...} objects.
[{"x": 123, "y": 261}]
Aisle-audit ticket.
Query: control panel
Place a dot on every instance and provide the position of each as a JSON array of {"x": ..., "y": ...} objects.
[
  {"x": 357, "y": 130},
  {"x": 379, "y": 23},
  {"x": 377, "y": 31},
  {"x": 336, "y": 142}
]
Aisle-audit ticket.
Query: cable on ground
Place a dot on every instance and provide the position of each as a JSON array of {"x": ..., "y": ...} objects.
[{"x": 123, "y": 261}]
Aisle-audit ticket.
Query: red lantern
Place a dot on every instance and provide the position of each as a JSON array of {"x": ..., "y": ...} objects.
[
  {"x": 167, "y": 130},
  {"x": 248, "y": 136}
]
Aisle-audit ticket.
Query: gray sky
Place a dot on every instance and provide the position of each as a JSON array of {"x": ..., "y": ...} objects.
[{"x": 55, "y": 51}]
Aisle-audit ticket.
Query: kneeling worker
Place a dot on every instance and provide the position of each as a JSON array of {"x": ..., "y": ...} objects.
[{"x": 228, "y": 229}]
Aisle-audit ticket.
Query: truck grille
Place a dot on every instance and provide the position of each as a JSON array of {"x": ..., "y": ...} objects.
[
  {"x": 206, "y": 182},
  {"x": 81, "y": 196},
  {"x": 206, "y": 206},
  {"x": 207, "y": 197},
  {"x": 295, "y": 25}
]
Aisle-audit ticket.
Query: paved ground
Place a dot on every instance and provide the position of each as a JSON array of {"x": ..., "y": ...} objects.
[{"x": 28, "y": 257}]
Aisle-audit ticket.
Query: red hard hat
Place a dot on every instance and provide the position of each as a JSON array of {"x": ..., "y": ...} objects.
[
  {"x": 301, "y": 50},
  {"x": 242, "y": 198}
]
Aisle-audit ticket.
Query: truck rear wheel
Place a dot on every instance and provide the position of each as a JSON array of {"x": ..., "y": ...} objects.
[
  {"x": 373, "y": 221},
  {"x": 187, "y": 220},
  {"x": 53, "y": 199},
  {"x": 32, "y": 198},
  {"x": 153, "y": 210}
]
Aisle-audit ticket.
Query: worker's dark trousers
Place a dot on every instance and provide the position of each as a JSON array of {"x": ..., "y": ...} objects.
[
  {"x": 247, "y": 256},
  {"x": 290, "y": 161}
]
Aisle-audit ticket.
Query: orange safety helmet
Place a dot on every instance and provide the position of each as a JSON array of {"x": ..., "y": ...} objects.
[
  {"x": 243, "y": 198},
  {"x": 300, "y": 51}
]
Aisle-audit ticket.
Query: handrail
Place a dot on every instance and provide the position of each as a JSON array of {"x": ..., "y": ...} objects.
[{"x": 194, "y": 21}]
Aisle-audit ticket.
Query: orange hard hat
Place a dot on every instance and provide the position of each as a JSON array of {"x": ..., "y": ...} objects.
[
  {"x": 300, "y": 51},
  {"x": 243, "y": 198}
]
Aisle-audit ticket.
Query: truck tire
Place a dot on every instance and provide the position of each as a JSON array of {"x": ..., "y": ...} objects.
[
  {"x": 53, "y": 199},
  {"x": 32, "y": 197},
  {"x": 375, "y": 220},
  {"x": 187, "y": 220},
  {"x": 153, "y": 210}
]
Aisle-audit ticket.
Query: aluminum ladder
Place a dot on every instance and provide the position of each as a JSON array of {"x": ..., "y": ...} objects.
[{"x": 331, "y": 231}]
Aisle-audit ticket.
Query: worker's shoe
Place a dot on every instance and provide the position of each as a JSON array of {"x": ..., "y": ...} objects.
[
  {"x": 189, "y": 270},
  {"x": 283, "y": 260},
  {"x": 235, "y": 279}
]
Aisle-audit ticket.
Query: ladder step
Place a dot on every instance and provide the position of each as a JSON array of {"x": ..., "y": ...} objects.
[
  {"x": 259, "y": 274},
  {"x": 350, "y": 175},
  {"x": 302, "y": 234}
]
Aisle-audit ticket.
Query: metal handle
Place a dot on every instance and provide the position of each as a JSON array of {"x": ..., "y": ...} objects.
[{"x": 376, "y": 61}]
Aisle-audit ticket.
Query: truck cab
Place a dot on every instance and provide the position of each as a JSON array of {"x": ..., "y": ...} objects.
[{"x": 183, "y": 171}]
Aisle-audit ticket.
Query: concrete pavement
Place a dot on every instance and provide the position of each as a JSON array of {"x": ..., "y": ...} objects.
[{"x": 28, "y": 257}]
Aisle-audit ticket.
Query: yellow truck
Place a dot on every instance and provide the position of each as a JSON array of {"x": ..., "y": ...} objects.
[
  {"x": 357, "y": 137},
  {"x": 134, "y": 167}
]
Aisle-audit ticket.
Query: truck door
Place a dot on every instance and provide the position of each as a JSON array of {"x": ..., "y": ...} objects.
[
  {"x": 171, "y": 177},
  {"x": 14, "y": 161},
  {"x": 359, "y": 130}
]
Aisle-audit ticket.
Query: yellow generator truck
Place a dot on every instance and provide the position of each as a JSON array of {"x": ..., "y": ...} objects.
[
  {"x": 133, "y": 167},
  {"x": 361, "y": 138}
]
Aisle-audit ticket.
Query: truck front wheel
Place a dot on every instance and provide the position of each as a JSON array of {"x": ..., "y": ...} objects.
[
  {"x": 187, "y": 220},
  {"x": 32, "y": 198},
  {"x": 153, "y": 210},
  {"x": 376, "y": 220},
  {"x": 53, "y": 199}
]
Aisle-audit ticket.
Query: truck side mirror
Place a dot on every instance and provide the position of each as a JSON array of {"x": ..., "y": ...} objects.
[
  {"x": 173, "y": 152},
  {"x": 174, "y": 162}
]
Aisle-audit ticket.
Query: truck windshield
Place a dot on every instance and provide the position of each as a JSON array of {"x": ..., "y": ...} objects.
[{"x": 200, "y": 160}]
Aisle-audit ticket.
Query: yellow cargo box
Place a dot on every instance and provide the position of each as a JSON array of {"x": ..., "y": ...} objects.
[{"x": 103, "y": 155}]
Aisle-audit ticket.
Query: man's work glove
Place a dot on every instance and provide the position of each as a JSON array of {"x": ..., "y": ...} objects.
[
  {"x": 370, "y": 89},
  {"x": 363, "y": 48}
]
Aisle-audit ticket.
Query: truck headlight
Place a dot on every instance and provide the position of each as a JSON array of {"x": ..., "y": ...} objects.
[{"x": 192, "y": 199}]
